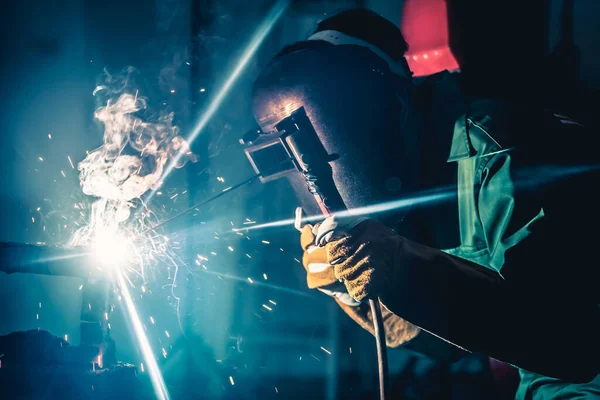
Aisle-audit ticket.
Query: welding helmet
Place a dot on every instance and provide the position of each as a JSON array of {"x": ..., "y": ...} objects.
[{"x": 344, "y": 90}]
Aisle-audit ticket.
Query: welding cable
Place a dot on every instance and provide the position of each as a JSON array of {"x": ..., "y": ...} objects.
[
  {"x": 203, "y": 202},
  {"x": 382, "y": 359},
  {"x": 374, "y": 304},
  {"x": 228, "y": 190}
]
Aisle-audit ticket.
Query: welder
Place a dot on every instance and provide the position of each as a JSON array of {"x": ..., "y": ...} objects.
[{"x": 513, "y": 183}]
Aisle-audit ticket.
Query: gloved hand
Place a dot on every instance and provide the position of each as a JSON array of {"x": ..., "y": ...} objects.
[
  {"x": 321, "y": 275},
  {"x": 363, "y": 258}
]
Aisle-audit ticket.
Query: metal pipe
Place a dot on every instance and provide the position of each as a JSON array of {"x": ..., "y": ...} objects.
[{"x": 45, "y": 260}]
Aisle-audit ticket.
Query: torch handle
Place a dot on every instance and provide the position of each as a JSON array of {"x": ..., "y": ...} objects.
[{"x": 379, "y": 329}]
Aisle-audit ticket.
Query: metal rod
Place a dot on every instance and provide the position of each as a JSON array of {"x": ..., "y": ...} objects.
[{"x": 230, "y": 189}]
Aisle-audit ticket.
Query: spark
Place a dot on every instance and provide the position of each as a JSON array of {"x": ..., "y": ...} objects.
[
  {"x": 272, "y": 302},
  {"x": 66, "y": 337},
  {"x": 202, "y": 90},
  {"x": 40, "y": 305},
  {"x": 248, "y": 255},
  {"x": 106, "y": 316},
  {"x": 325, "y": 350},
  {"x": 143, "y": 289},
  {"x": 172, "y": 90},
  {"x": 164, "y": 352},
  {"x": 40, "y": 158},
  {"x": 80, "y": 287},
  {"x": 37, "y": 316},
  {"x": 250, "y": 280},
  {"x": 229, "y": 247},
  {"x": 167, "y": 333},
  {"x": 267, "y": 307},
  {"x": 350, "y": 348},
  {"x": 33, "y": 220},
  {"x": 49, "y": 136},
  {"x": 152, "y": 320},
  {"x": 263, "y": 30},
  {"x": 276, "y": 391},
  {"x": 265, "y": 276},
  {"x": 231, "y": 380},
  {"x": 266, "y": 242},
  {"x": 63, "y": 173},
  {"x": 142, "y": 366},
  {"x": 220, "y": 179}
]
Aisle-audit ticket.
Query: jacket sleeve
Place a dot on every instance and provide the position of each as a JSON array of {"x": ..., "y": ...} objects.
[{"x": 529, "y": 316}]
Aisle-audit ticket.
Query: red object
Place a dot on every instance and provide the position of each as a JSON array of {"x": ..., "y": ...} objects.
[{"x": 425, "y": 28}]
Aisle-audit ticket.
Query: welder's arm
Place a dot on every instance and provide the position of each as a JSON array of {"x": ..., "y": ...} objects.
[{"x": 467, "y": 304}]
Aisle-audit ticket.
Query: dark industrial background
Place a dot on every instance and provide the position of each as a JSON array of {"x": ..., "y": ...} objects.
[{"x": 53, "y": 53}]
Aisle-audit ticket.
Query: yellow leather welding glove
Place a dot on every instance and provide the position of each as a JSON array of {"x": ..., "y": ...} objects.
[
  {"x": 365, "y": 259},
  {"x": 321, "y": 275}
]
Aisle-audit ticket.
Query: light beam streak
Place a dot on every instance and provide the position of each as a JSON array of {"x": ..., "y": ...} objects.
[
  {"x": 256, "y": 283},
  {"x": 368, "y": 210},
  {"x": 255, "y": 42},
  {"x": 523, "y": 178},
  {"x": 156, "y": 377}
]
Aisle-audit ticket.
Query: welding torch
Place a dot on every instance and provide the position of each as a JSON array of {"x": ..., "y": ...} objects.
[{"x": 310, "y": 158}]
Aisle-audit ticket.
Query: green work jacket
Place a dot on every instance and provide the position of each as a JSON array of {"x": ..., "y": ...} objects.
[{"x": 528, "y": 209}]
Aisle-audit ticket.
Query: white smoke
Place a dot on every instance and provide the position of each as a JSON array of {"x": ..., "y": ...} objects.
[{"x": 130, "y": 161}]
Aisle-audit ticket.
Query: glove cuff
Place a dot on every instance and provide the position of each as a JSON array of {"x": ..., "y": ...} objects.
[{"x": 398, "y": 331}]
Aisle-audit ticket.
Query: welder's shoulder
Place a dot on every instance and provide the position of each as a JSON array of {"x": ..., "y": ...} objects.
[{"x": 491, "y": 126}]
